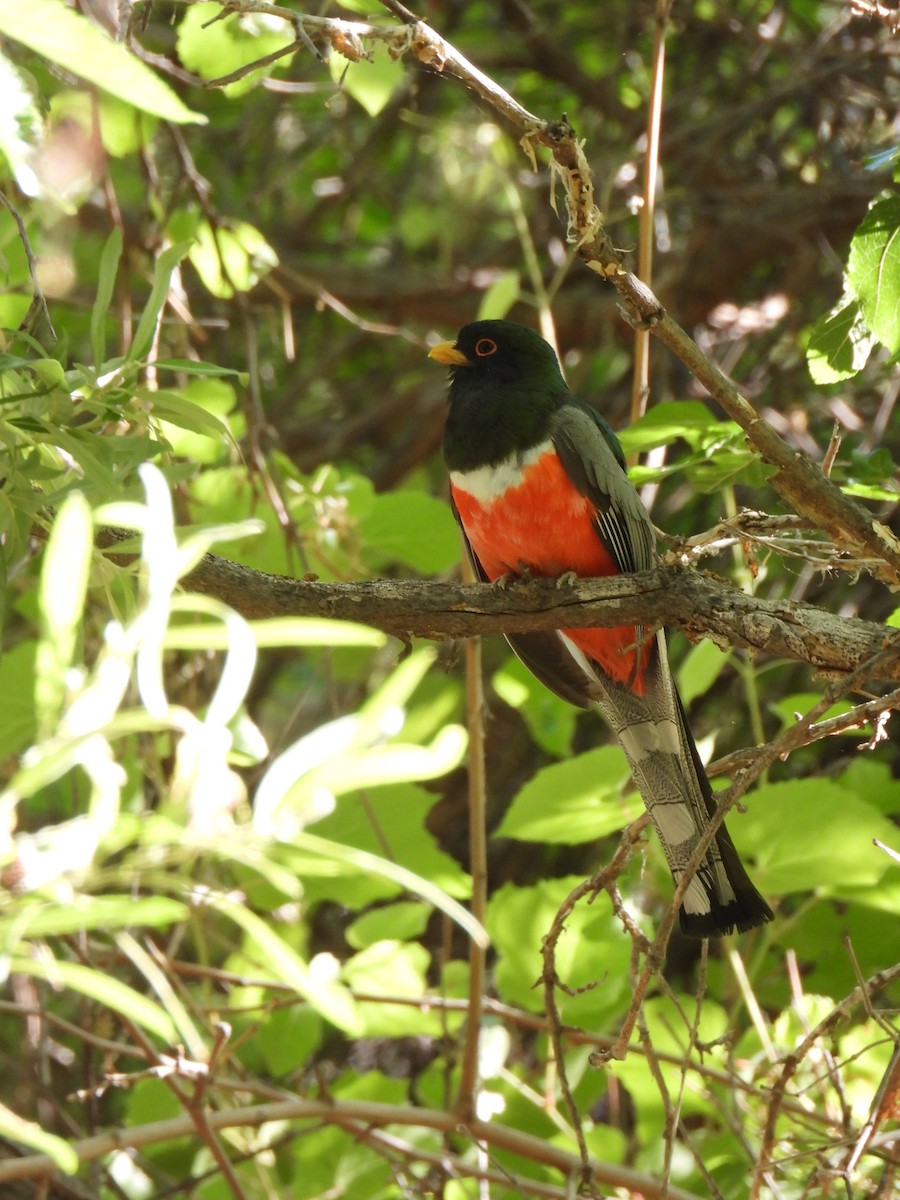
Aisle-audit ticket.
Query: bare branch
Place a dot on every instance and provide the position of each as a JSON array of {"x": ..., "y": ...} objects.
[{"x": 342, "y": 1113}]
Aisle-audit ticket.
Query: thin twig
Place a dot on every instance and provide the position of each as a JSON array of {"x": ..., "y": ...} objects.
[
  {"x": 39, "y": 299},
  {"x": 859, "y": 995},
  {"x": 646, "y": 238},
  {"x": 466, "y": 1104}
]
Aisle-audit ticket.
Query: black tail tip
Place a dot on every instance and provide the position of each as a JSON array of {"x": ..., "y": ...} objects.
[{"x": 746, "y": 911}]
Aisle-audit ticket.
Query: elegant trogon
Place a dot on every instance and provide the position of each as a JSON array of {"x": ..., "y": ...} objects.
[{"x": 539, "y": 487}]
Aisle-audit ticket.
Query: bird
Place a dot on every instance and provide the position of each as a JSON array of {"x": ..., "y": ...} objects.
[{"x": 539, "y": 487}]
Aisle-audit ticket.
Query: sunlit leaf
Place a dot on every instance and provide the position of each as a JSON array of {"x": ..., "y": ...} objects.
[
  {"x": 372, "y": 863},
  {"x": 591, "y": 950},
  {"x": 45, "y": 919},
  {"x": 328, "y": 997},
  {"x": 500, "y": 297},
  {"x": 214, "y": 47},
  {"x": 66, "y": 38},
  {"x": 277, "y": 631},
  {"x": 396, "y": 762},
  {"x": 288, "y": 1037},
  {"x": 413, "y": 528},
  {"x": 21, "y": 126},
  {"x": 551, "y": 721},
  {"x": 873, "y": 269},
  {"x": 701, "y": 668},
  {"x": 811, "y": 834},
  {"x": 159, "y": 981},
  {"x": 231, "y": 258},
  {"x": 391, "y": 968},
  {"x": 840, "y": 344},
  {"x": 370, "y": 83},
  {"x": 106, "y": 281},
  {"x": 188, "y": 366},
  {"x": 17, "y": 703},
  {"x": 573, "y": 801},
  {"x": 404, "y": 920},
  {"x": 63, "y": 586},
  {"x": 171, "y": 406},
  {"x": 27, "y": 1133},
  {"x": 105, "y": 989},
  {"x": 162, "y": 274}
]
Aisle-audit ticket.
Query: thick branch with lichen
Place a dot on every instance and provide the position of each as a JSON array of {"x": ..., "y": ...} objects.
[{"x": 700, "y": 605}]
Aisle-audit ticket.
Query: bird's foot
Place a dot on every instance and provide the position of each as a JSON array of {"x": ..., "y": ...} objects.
[
  {"x": 510, "y": 578},
  {"x": 567, "y": 579}
]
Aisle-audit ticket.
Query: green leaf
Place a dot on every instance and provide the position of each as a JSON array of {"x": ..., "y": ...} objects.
[
  {"x": 328, "y": 997},
  {"x": 873, "y": 269},
  {"x": 231, "y": 258},
  {"x": 395, "y": 762},
  {"x": 287, "y": 1037},
  {"x": 71, "y": 41},
  {"x": 873, "y": 782},
  {"x": 276, "y": 631},
  {"x": 104, "y": 988},
  {"x": 173, "y": 407},
  {"x": 109, "y": 265},
  {"x": 403, "y": 921},
  {"x": 811, "y": 834},
  {"x": 21, "y": 126},
  {"x": 162, "y": 274},
  {"x": 27, "y": 1133},
  {"x": 392, "y": 819},
  {"x": 371, "y": 83},
  {"x": 391, "y": 968},
  {"x": 199, "y": 419},
  {"x": 43, "y": 919},
  {"x": 17, "y": 707},
  {"x": 700, "y": 669},
  {"x": 188, "y": 366},
  {"x": 411, "y": 528},
  {"x": 840, "y": 344},
  {"x": 788, "y": 708},
  {"x": 214, "y": 47},
  {"x": 573, "y": 801},
  {"x": 665, "y": 423},
  {"x": 592, "y": 949},
  {"x": 500, "y": 297},
  {"x": 551, "y": 722},
  {"x": 64, "y": 579}
]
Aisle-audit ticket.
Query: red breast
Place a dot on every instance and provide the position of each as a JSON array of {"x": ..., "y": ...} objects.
[{"x": 535, "y": 518}]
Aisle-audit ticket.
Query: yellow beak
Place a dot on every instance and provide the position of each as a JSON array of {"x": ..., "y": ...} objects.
[{"x": 447, "y": 353}]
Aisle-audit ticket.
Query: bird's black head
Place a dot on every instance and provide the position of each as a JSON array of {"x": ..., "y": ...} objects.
[
  {"x": 503, "y": 353},
  {"x": 505, "y": 386}
]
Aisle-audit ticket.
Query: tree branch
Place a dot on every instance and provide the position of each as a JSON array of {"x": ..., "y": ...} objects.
[
  {"x": 349, "y": 1112},
  {"x": 699, "y": 604}
]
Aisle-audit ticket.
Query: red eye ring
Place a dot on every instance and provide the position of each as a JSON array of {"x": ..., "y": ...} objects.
[{"x": 485, "y": 347}]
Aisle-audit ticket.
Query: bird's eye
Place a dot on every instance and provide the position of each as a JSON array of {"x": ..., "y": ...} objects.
[{"x": 485, "y": 347}]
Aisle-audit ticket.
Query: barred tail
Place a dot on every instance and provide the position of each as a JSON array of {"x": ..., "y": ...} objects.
[{"x": 653, "y": 732}]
